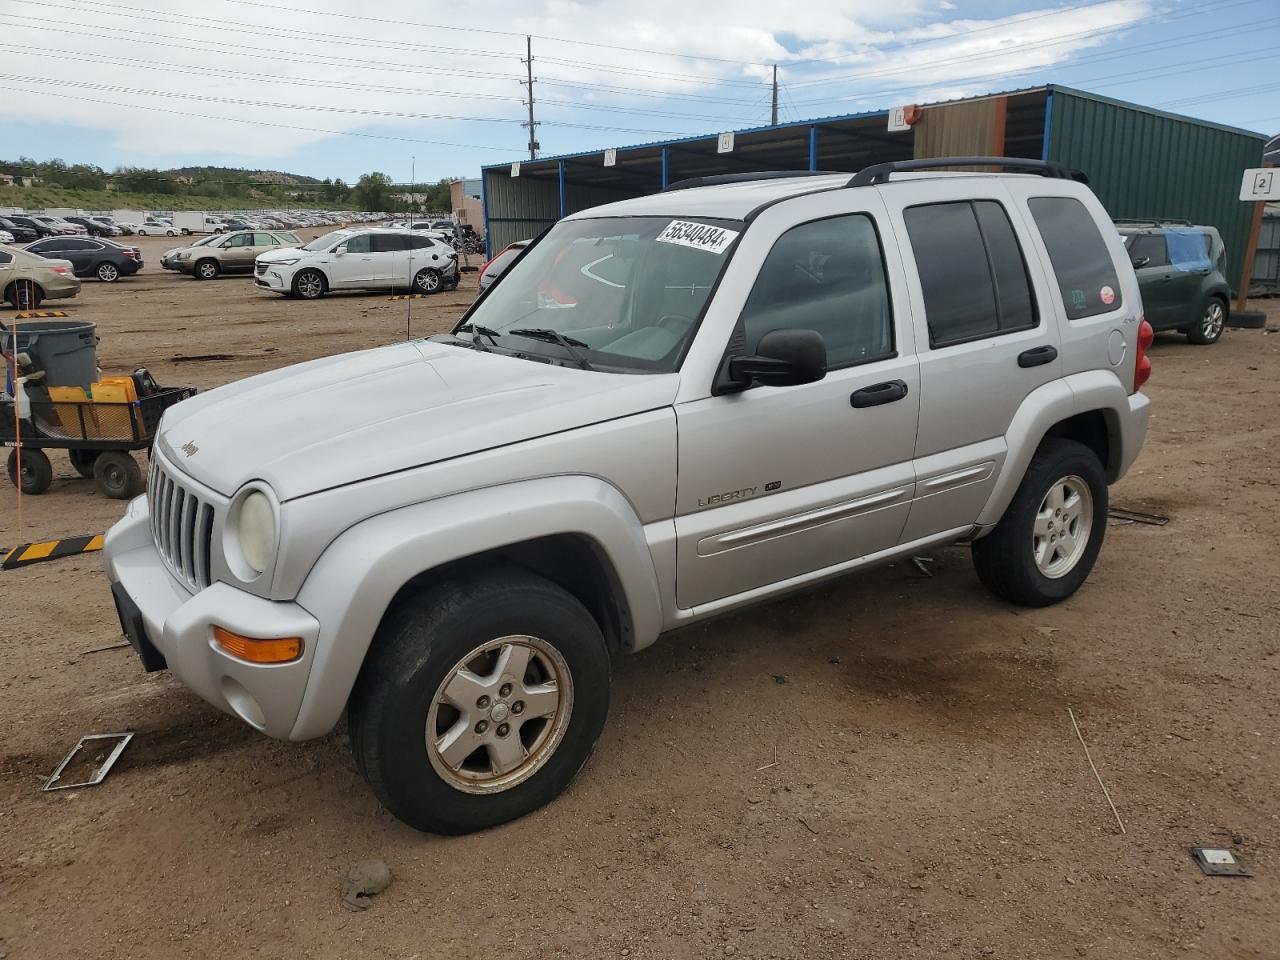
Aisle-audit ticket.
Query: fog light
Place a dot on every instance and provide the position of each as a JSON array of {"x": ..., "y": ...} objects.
[{"x": 257, "y": 650}]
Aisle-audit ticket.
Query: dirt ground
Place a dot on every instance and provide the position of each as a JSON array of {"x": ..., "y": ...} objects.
[{"x": 929, "y": 796}]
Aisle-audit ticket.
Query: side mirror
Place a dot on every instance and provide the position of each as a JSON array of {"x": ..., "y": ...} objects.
[
  {"x": 340, "y": 251},
  {"x": 783, "y": 358},
  {"x": 1140, "y": 262}
]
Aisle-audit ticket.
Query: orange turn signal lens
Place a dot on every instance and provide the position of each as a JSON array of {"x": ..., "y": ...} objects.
[{"x": 256, "y": 650}]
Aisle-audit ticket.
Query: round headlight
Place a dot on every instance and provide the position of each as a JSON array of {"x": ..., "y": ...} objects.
[{"x": 256, "y": 531}]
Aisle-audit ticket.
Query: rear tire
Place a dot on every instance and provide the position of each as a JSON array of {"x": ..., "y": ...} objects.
[
  {"x": 1208, "y": 329},
  {"x": 1034, "y": 556},
  {"x": 450, "y": 644},
  {"x": 37, "y": 471},
  {"x": 107, "y": 272},
  {"x": 24, "y": 295},
  {"x": 118, "y": 475},
  {"x": 83, "y": 461}
]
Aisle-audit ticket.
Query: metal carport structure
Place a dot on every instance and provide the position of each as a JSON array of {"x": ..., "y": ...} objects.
[{"x": 1142, "y": 162}]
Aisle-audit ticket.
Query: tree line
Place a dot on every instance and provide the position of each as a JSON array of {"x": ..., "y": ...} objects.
[{"x": 373, "y": 191}]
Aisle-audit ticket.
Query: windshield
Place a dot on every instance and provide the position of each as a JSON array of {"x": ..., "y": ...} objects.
[
  {"x": 327, "y": 240},
  {"x": 630, "y": 290}
]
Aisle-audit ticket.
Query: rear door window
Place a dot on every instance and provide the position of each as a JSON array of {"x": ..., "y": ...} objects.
[
  {"x": 1151, "y": 248},
  {"x": 1086, "y": 274},
  {"x": 972, "y": 272},
  {"x": 388, "y": 242}
]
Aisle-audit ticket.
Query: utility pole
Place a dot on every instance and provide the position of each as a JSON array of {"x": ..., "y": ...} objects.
[
  {"x": 531, "y": 124},
  {"x": 774, "y": 121}
]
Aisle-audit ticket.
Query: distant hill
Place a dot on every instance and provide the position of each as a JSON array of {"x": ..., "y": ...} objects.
[{"x": 257, "y": 176}]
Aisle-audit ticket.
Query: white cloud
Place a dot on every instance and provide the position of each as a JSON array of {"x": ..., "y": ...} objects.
[{"x": 251, "y": 52}]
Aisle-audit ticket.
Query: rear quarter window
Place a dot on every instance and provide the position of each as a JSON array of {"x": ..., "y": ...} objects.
[{"x": 1081, "y": 261}]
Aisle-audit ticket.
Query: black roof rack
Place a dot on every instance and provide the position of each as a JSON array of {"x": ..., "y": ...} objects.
[
  {"x": 716, "y": 179},
  {"x": 879, "y": 172},
  {"x": 1149, "y": 221}
]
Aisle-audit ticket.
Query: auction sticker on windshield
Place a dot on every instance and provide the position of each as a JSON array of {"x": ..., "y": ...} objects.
[{"x": 700, "y": 236}]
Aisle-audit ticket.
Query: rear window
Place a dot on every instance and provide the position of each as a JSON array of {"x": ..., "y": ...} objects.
[
  {"x": 1086, "y": 274},
  {"x": 1151, "y": 248}
]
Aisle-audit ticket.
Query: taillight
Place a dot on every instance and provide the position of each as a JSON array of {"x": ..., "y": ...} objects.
[
  {"x": 58, "y": 269},
  {"x": 1142, "y": 365},
  {"x": 489, "y": 262}
]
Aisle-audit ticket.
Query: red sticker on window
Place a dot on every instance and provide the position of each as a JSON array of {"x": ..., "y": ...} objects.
[{"x": 1108, "y": 295}]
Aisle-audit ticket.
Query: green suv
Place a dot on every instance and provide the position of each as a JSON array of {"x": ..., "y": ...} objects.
[{"x": 1180, "y": 271}]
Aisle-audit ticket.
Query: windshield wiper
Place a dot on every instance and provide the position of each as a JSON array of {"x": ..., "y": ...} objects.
[
  {"x": 570, "y": 345},
  {"x": 477, "y": 333}
]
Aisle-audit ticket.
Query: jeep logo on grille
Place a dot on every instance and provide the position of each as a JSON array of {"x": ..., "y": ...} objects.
[{"x": 189, "y": 449}]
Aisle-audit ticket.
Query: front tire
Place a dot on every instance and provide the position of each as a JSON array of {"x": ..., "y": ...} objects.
[
  {"x": 1208, "y": 329},
  {"x": 206, "y": 270},
  {"x": 479, "y": 701},
  {"x": 309, "y": 285},
  {"x": 427, "y": 280},
  {"x": 1046, "y": 543}
]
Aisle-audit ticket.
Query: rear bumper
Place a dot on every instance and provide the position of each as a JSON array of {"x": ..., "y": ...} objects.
[
  {"x": 61, "y": 288},
  {"x": 1132, "y": 433},
  {"x": 179, "y": 625}
]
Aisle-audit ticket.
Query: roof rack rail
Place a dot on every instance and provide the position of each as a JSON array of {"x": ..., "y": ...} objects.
[
  {"x": 714, "y": 180},
  {"x": 879, "y": 172},
  {"x": 1154, "y": 221}
]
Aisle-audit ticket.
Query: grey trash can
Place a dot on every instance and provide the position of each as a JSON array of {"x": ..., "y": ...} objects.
[{"x": 66, "y": 350}]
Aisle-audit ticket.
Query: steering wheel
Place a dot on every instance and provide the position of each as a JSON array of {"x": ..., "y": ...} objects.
[{"x": 675, "y": 323}]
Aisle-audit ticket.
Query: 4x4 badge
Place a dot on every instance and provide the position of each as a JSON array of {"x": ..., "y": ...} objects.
[{"x": 189, "y": 449}]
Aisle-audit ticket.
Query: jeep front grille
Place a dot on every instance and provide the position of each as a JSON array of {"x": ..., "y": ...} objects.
[{"x": 181, "y": 526}]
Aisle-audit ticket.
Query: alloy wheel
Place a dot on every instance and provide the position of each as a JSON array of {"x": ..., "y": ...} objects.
[
  {"x": 1214, "y": 319},
  {"x": 499, "y": 714},
  {"x": 1062, "y": 526},
  {"x": 108, "y": 272}
]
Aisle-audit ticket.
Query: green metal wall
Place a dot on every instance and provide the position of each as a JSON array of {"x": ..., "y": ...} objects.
[{"x": 1143, "y": 163}]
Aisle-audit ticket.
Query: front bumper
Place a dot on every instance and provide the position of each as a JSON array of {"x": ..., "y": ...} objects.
[
  {"x": 274, "y": 278},
  {"x": 180, "y": 624}
]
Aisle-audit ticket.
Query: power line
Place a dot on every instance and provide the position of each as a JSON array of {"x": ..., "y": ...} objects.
[
  {"x": 258, "y": 123},
  {"x": 1006, "y": 49},
  {"x": 255, "y": 77},
  {"x": 357, "y": 111}
]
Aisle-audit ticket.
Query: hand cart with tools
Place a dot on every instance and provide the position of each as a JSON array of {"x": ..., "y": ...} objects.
[{"x": 97, "y": 435}]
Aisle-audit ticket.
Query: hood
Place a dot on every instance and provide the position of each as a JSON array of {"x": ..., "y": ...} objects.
[
  {"x": 342, "y": 419},
  {"x": 284, "y": 253}
]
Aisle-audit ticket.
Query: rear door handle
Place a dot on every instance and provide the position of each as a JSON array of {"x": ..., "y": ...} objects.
[
  {"x": 880, "y": 393},
  {"x": 1038, "y": 355}
]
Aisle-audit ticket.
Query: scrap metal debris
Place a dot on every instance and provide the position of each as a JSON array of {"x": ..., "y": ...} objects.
[
  {"x": 1218, "y": 862},
  {"x": 1124, "y": 516},
  {"x": 920, "y": 564},
  {"x": 104, "y": 768}
]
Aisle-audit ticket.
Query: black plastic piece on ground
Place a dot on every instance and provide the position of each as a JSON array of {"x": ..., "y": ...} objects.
[{"x": 1247, "y": 319}]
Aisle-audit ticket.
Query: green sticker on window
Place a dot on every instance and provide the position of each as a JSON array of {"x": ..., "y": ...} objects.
[{"x": 1078, "y": 299}]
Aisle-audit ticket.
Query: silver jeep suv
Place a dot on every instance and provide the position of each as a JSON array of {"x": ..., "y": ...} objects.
[{"x": 666, "y": 409}]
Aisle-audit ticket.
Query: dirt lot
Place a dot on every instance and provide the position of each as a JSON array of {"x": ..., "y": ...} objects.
[{"x": 929, "y": 799}]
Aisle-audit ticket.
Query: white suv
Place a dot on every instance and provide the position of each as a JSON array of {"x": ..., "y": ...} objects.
[{"x": 359, "y": 259}]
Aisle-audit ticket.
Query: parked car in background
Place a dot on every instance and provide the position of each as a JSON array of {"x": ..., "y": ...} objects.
[
  {"x": 360, "y": 259},
  {"x": 28, "y": 279},
  {"x": 95, "y": 229},
  {"x": 91, "y": 256},
  {"x": 169, "y": 259},
  {"x": 231, "y": 253},
  {"x": 157, "y": 228},
  {"x": 61, "y": 226},
  {"x": 6, "y": 236},
  {"x": 104, "y": 221},
  {"x": 38, "y": 227},
  {"x": 19, "y": 233},
  {"x": 491, "y": 271},
  {"x": 1181, "y": 271}
]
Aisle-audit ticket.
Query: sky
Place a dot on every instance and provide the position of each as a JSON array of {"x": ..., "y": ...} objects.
[{"x": 422, "y": 91}]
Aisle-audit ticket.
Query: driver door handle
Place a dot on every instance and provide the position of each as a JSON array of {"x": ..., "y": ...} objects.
[{"x": 886, "y": 392}]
